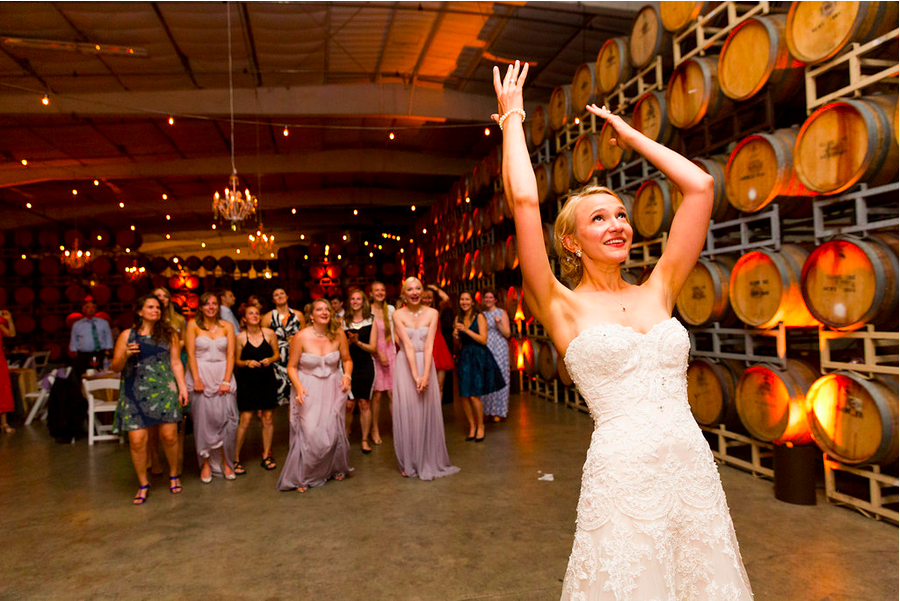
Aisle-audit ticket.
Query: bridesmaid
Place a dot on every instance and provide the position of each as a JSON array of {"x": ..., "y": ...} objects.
[
  {"x": 152, "y": 390},
  {"x": 496, "y": 404},
  {"x": 476, "y": 369},
  {"x": 285, "y": 322},
  {"x": 178, "y": 323},
  {"x": 417, "y": 419},
  {"x": 256, "y": 353},
  {"x": 361, "y": 339},
  {"x": 319, "y": 448},
  {"x": 443, "y": 360},
  {"x": 7, "y": 330},
  {"x": 210, "y": 346},
  {"x": 386, "y": 352}
]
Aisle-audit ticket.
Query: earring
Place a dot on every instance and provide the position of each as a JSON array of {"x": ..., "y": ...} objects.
[{"x": 578, "y": 253}]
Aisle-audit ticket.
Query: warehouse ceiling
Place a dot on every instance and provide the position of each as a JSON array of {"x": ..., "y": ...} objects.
[{"x": 337, "y": 78}]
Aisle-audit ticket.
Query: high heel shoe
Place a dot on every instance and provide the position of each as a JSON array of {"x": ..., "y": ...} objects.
[
  {"x": 174, "y": 488},
  {"x": 364, "y": 449},
  {"x": 469, "y": 438},
  {"x": 140, "y": 499}
]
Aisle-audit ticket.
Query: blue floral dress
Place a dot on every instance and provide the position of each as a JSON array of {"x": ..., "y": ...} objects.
[
  {"x": 476, "y": 369},
  {"x": 497, "y": 403},
  {"x": 148, "y": 392}
]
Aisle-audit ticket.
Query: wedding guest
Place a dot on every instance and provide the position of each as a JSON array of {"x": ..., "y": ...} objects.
[
  {"x": 476, "y": 369},
  {"x": 256, "y": 354},
  {"x": 358, "y": 327},
  {"x": 210, "y": 347},
  {"x": 319, "y": 449},
  {"x": 7, "y": 404},
  {"x": 386, "y": 352},
  {"x": 91, "y": 338},
  {"x": 496, "y": 404},
  {"x": 285, "y": 322},
  {"x": 226, "y": 302},
  {"x": 418, "y": 422},
  {"x": 443, "y": 360},
  {"x": 152, "y": 390},
  {"x": 337, "y": 305},
  {"x": 177, "y": 322}
]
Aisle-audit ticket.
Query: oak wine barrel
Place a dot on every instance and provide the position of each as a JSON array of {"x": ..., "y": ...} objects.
[
  {"x": 468, "y": 271},
  {"x": 497, "y": 203},
  {"x": 209, "y": 262},
  {"x": 818, "y": 31},
  {"x": 764, "y": 288},
  {"x": 492, "y": 164},
  {"x": 49, "y": 295},
  {"x": 704, "y": 296},
  {"x": 51, "y": 323},
  {"x": 24, "y": 295},
  {"x": 560, "y": 107},
  {"x": 539, "y": 128},
  {"x": 711, "y": 387},
  {"x": 158, "y": 264},
  {"x": 70, "y": 237},
  {"x": 584, "y": 88},
  {"x": 756, "y": 55},
  {"x": 848, "y": 282},
  {"x": 370, "y": 269},
  {"x": 847, "y": 142},
  {"x": 130, "y": 239},
  {"x": 715, "y": 167},
  {"x": 244, "y": 265},
  {"x": 49, "y": 266},
  {"x": 760, "y": 170},
  {"x": 23, "y": 267},
  {"x": 548, "y": 360},
  {"x": 512, "y": 301},
  {"x": 25, "y": 324},
  {"x": 653, "y": 207},
  {"x": 55, "y": 349},
  {"x": 676, "y": 16},
  {"x": 651, "y": 118},
  {"x": 126, "y": 293},
  {"x": 693, "y": 93},
  {"x": 227, "y": 263},
  {"x": 527, "y": 351},
  {"x": 771, "y": 402},
  {"x": 515, "y": 354},
  {"x": 544, "y": 179},
  {"x": 4, "y": 297},
  {"x": 499, "y": 256},
  {"x": 48, "y": 239},
  {"x": 487, "y": 259},
  {"x": 511, "y": 253},
  {"x": 100, "y": 238},
  {"x": 610, "y": 154},
  {"x": 101, "y": 265},
  {"x": 563, "y": 174},
  {"x": 854, "y": 419},
  {"x": 649, "y": 38},
  {"x": 586, "y": 157},
  {"x": 613, "y": 66},
  {"x": 193, "y": 263}
]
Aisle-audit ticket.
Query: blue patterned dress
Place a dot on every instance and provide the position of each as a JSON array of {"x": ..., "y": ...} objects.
[
  {"x": 497, "y": 403},
  {"x": 476, "y": 369},
  {"x": 148, "y": 392}
]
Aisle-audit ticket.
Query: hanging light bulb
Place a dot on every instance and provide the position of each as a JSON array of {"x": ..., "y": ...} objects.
[
  {"x": 45, "y": 100},
  {"x": 171, "y": 120},
  {"x": 286, "y": 132}
]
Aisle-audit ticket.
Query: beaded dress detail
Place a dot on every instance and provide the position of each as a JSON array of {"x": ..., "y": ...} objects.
[{"x": 652, "y": 520}]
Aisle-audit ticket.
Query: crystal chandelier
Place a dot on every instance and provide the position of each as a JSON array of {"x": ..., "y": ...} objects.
[
  {"x": 235, "y": 206},
  {"x": 134, "y": 272},
  {"x": 262, "y": 244},
  {"x": 74, "y": 259}
]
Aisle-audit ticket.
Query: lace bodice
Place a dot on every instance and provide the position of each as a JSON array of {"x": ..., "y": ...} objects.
[
  {"x": 211, "y": 350},
  {"x": 652, "y": 511}
]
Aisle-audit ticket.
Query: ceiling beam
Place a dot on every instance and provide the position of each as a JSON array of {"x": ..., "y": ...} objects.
[
  {"x": 384, "y": 42},
  {"x": 367, "y": 99},
  {"x": 324, "y": 161},
  {"x": 185, "y": 62}
]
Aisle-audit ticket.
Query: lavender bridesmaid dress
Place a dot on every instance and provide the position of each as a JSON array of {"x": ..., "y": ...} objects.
[
  {"x": 418, "y": 422},
  {"x": 215, "y": 415},
  {"x": 319, "y": 448}
]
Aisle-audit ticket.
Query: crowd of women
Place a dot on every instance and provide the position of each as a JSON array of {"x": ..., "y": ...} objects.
[{"x": 325, "y": 362}]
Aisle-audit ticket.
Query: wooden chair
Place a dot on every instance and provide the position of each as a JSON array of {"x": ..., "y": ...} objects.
[{"x": 99, "y": 394}]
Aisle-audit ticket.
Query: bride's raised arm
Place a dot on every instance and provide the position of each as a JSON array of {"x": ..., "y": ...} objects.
[
  {"x": 541, "y": 287},
  {"x": 687, "y": 236}
]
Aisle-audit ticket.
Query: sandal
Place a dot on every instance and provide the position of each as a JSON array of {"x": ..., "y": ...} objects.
[
  {"x": 141, "y": 497},
  {"x": 8, "y": 429},
  {"x": 239, "y": 468},
  {"x": 269, "y": 463},
  {"x": 174, "y": 488},
  {"x": 339, "y": 477},
  {"x": 302, "y": 489}
]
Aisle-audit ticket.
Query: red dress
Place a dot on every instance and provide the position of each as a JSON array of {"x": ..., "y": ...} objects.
[
  {"x": 441, "y": 353},
  {"x": 6, "y": 397}
]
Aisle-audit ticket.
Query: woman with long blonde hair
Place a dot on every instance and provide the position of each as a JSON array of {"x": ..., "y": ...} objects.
[
  {"x": 319, "y": 449},
  {"x": 358, "y": 326},
  {"x": 386, "y": 353}
]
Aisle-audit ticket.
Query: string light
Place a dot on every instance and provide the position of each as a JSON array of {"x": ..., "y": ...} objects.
[
  {"x": 132, "y": 228},
  {"x": 203, "y": 245},
  {"x": 424, "y": 230},
  {"x": 286, "y": 132},
  {"x": 171, "y": 120},
  {"x": 344, "y": 237},
  {"x": 468, "y": 200},
  {"x": 371, "y": 255},
  {"x": 45, "y": 100},
  {"x": 214, "y": 226},
  {"x": 412, "y": 208},
  {"x": 411, "y": 240},
  {"x": 339, "y": 257},
  {"x": 302, "y": 237},
  {"x": 238, "y": 251},
  {"x": 577, "y": 120},
  {"x": 487, "y": 131},
  {"x": 128, "y": 250},
  {"x": 391, "y": 136},
  {"x": 121, "y": 205},
  {"x": 96, "y": 182},
  {"x": 355, "y": 212},
  {"x": 306, "y": 257},
  {"x": 24, "y": 162},
  {"x": 28, "y": 205},
  {"x": 74, "y": 192},
  {"x": 168, "y": 236},
  {"x": 168, "y": 218},
  {"x": 24, "y": 257},
  {"x": 294, "y": 211},
  {"x": 165, "y": 197}
]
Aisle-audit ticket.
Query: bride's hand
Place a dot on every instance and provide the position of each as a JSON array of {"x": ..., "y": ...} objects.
[
  {"x": 509, "y": 90},
  {"x": 624, "y": 132}
]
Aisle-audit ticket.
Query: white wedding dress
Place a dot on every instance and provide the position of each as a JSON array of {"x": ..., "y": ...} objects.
[{"x": 652, "y": 519}]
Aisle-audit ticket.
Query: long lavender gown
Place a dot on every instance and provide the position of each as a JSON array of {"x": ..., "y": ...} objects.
[
  {"x": 319, "y": 448},
  {"x": 497, "y": 403},
  {"x": 215, "y": 415},
  {"x": 418, "y": 422}
]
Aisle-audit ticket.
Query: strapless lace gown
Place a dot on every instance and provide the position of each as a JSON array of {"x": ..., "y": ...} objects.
[
  {"x": 215, "y": 415},
  {"x": 652, "y": 520}
]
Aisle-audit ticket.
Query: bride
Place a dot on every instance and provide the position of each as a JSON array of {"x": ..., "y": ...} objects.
[{"x": 652, "y": 521}]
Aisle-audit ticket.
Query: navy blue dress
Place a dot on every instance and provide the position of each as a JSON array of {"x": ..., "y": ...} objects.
[{"x": 476, "y": 368}]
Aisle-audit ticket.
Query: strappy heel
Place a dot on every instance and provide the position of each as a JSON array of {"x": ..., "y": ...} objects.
[
  {"x": 174, "y": 488},
  {"x": 141, "y": 499}
]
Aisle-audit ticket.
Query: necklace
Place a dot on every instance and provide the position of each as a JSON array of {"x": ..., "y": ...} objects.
[
  {"x": 620, "y": 302},
  {"x": 417, "y": 313},
  {"x": 316, "y": 332},
  {"x": 212, "y": 329}
]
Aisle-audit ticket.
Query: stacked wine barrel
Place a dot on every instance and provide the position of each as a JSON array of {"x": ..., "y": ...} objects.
[{"x": 792, "y": 157}]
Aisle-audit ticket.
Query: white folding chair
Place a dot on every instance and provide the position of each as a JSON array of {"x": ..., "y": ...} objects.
[
  {"x": 39, "y": 359},
  {"x": 40, "y": 397},
  {"x": 97, "y": 403}
]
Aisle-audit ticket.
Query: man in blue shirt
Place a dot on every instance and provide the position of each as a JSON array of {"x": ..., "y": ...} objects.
[
  {"x": 226, "y": 302},
  {"x": 91, "y": 337}
]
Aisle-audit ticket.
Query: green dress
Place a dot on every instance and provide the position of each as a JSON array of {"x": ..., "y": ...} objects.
[{"x": 148, "y": 393}]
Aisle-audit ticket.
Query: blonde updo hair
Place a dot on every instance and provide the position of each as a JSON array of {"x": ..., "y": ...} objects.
[
  {"x": 334, "y": 325},
  {"x": 570, "y": 265},
  {"x": 405, "y": 283}
]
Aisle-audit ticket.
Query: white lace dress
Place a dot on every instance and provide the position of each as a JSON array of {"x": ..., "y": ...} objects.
[{"x": 652, "y": 520}]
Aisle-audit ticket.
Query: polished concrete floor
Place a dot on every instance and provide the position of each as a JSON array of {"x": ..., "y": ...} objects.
[{"x": 493, "y": 531}]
